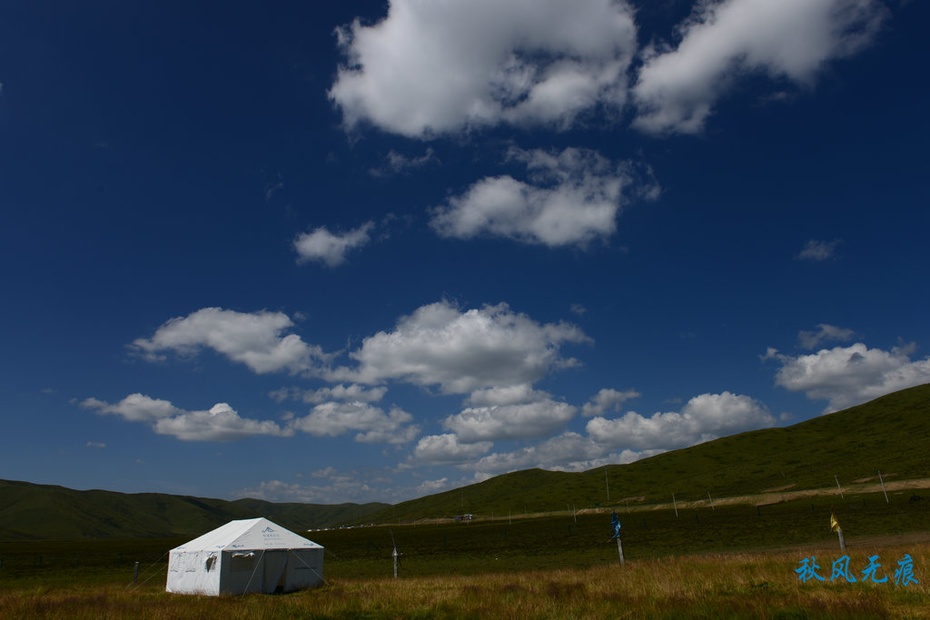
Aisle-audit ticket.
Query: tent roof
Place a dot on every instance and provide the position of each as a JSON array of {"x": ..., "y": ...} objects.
[{"x": 248, "y": 534}]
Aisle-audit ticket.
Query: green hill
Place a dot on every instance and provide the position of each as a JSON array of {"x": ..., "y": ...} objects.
[
  {"x": 32, "y": 511},
  {"x": 888, "y": 434}
]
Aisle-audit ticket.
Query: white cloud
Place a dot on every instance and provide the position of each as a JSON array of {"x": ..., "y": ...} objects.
[
  {"x": 516, "y": 421},
  {"x": 703, "y": 418},
  {"x": 509, "y": 412},
  {"x": 437, "y": 67},
  {"x": 572, "y": 198},
  {"x": 220, "y": 423},
  {"x": 254, "y": 339},
  {"x": 372, "y": 424},
  {"x": 848, "y": 376},
  {"x": 607, "y": 400},
  {"x": 96, "y": 444},
  {"x": 351, "y": 392},
  {"x": 505, "y": 395},
  {"x": 566, "y": 452},
  {"x": 135, "y": 408},
  {"x": 447, "y": 449},
  {"x": 784, "y": 39},
  {"x": 460, "y": 351},
  {"x": 818, "y": 250},
  {"x": 323, "y": 246},
  {"x": 824, "y": 333}
]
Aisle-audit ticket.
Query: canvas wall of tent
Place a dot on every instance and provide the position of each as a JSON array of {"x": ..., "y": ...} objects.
[{"x": 245, "y": 556}]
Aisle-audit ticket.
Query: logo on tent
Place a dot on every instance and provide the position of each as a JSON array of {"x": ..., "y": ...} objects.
[{"x": 267, "y": 529}]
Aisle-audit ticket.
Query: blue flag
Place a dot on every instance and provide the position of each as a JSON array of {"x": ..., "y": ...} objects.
[{"x": 615, "y": 522}]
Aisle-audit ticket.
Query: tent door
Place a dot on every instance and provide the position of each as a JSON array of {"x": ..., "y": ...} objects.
[{"x": 275, "y": 577}]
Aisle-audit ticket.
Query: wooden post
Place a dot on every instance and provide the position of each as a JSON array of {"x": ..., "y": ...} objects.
[
  {"x": 675, "y": 504},
  {"x": 838, "y": 485},
  {"x": 839, "y": 534},
  {"x": 620, "y": 550},
  {"x": 135, "y": 574}
]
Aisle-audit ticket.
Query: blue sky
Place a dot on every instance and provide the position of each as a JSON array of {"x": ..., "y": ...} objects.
[{"x": 369, "y": 251}]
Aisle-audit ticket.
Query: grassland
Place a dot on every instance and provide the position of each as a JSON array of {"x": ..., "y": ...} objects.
[
  {"x": 724, "y": 561},
  {"x": 738, "y": 585}
]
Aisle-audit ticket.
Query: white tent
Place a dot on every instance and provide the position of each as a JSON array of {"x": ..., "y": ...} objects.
[{"x": 250, "y": 555}]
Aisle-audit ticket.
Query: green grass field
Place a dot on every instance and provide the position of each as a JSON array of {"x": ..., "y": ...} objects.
[{"x": 731, "y": 561}]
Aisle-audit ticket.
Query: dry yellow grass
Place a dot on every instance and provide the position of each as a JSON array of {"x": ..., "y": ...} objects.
[{"x": 708, "y": 586}]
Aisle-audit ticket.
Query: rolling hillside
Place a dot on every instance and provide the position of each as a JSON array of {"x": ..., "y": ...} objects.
[
  {"x": 889, "y": 434},
  {"x": 32, "y": 511}
]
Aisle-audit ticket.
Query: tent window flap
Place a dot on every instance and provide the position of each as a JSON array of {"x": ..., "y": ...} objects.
[{"x": 242, "y": 561}]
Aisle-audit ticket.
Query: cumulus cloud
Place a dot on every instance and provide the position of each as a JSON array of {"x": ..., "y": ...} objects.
[
  {"x": 461, "y": 352},
  {"x": 321, "y": 245},
  {"x": 254, "y": 339},
  {"x": 607, "y": 400},
  {"x": 509, "y": 412},
  {"x": 785, "y": 40},
  {"x": 371, "y": 424},
  {"x": 430, "y": 68},
  {"x": 571, "y": 197},
  {"x": 135, "y": 408},
  {"x": 817, "y": 251},
  {"x": 848, "y": 376},
  {"x": 703, "y": 418},
  {"x": 447, "y": 448},
  {"x": 505, "y": 395},
  {"x": 219, "y": 423},
  {"x": 824, "y": 333},
  {"x": 515, "y": 421}
]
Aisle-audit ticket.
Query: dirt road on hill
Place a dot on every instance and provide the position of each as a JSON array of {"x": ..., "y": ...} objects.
[{"x": 894, "y": 489}]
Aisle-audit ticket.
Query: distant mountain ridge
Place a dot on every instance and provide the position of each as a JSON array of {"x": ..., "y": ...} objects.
[
  {"x": 888, "y": 434},
  {"x": 34, "y": 511}
]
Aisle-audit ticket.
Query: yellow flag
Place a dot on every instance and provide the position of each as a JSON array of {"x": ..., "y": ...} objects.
[{"x": 834, "y": 524}]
